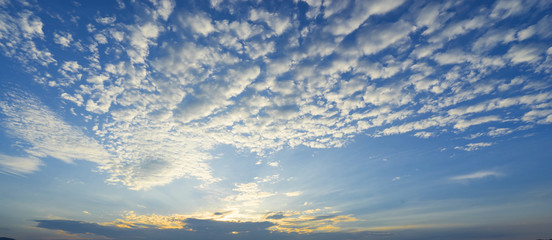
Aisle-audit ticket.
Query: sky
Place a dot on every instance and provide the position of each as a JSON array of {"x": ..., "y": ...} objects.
[{"x": 303, "y": 119}]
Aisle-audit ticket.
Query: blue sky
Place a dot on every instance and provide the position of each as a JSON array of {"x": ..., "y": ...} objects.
[{"x": 313, "y": 119}]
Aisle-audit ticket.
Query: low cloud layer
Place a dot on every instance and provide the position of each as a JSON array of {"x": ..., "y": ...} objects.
[
  {"x": 195, "y": 229},
  {"x": 206, "y": 229}
]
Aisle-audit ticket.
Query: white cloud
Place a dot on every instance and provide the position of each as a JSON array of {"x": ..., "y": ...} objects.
[
  {"x": 371, "y": 39},
  {"x": 215, "y": 95},
  {"x": 494, "y": 37},
  {"x": 294, "y": 194},
  {"x": 514, "y": 82},
  {"x": 477, "y": 175},
  {"x": 140, "y": 39},
  {"x": 70, "y": 66},
  {"x": 30, "y": 25},
  {"x": 90, "y": 27},
  {"x": 100, "y": 38},
  {"x": 106, "y": 20},
  {"x": 199, "y": 23},
  {"x": 76, "y": 99},
  {"x": 432, "y": 16},
  {"x": 521, "y": 54},
  {"x": 19, "y": 165},
  {"x": 150, "y": 153},
  {"x": 255, "y": 83},
  {"x": 526, "y": 33},
  {"x": 416, "y": 125},
  {"x": 499, "y": 103},
  {"x": 424, "y": 134},
  {"x": 500, "y": 131},
  {"x": 18, "y": 33},
  {"x": 270, "y": 179},
  {"x": 541, "y": 116},
  {"x": 474, "y": 146},
  {"x": 540, "y": 29},
  {"x": 117, "y": 35},
  {"x": 101, "y": 103},
  {"x": 314, "y": 7},
  {"x": 463, "y": 124},
  {"x": 362, "y": 10},
  {"x": 70, "y": 70},
  {"x": 256, "y": 49},
  {"x": 191, "y": 62},
  {"x": 279, "y": 24},
  {"x": 332, "y": 7},
  {"x": 43, "y": 57},
  {"x": 456, "y": 29},
  {"x": 375, "y": 70},
  {"x": 164, "y": 8},
  {"x": 46, "y": 134},
  {"x": 476, "y": 61},
  {"x": 63, "y": 39},
  {"x": 244, "y": 30},
  {"x": 507, "y": 8},
  {"x": 97, "y": 79},
  {"x": 249, "y": 195}
]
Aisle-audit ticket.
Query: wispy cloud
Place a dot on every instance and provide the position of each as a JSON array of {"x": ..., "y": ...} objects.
[
  {"x": 477, "y": 175},
  {"x": 294, "y": 194},
  {"x": 474, "y": 146},
  {"x": 19, "y": 165},
  {"x": 44, "y": 133}
]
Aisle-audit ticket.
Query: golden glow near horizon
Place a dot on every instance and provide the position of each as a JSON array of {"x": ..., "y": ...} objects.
[{"x": 308, "y": 221}]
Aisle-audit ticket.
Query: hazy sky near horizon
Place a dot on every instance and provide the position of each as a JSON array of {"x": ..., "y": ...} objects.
[{"x": 318, "y": 119}]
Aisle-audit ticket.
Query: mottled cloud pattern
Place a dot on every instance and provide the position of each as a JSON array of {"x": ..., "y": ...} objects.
[{"x": 157, "y": 92}]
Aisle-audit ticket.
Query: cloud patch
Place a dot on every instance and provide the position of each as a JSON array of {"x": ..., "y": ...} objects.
[
  {"x": 477, "y": 175},
  {"x": 474, "y": 146},
  {"x": 44, "y": 133},
  {"x": 19, "y": 165}
]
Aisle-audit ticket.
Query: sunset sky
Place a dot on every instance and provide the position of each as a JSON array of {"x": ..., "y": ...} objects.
[{"x": 314, "y": 119}]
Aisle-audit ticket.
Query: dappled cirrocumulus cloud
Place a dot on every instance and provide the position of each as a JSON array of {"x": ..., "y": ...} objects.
[
  {"x": 43, "y": 133},
  {"x": 158, "y": 91}
]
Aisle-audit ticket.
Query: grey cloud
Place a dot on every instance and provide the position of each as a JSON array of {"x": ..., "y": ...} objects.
[
  {"x": 196, "y": 229},
  {"x": 209, "y": 230},
  {"x": 276, "y": 216}
]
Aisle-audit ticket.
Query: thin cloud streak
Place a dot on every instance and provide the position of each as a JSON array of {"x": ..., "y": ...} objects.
[{"x": 477, "y": 175}]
